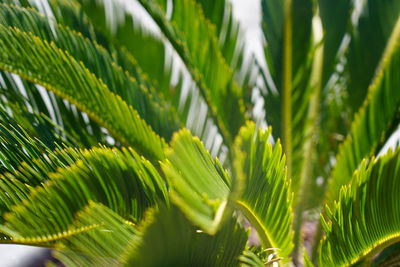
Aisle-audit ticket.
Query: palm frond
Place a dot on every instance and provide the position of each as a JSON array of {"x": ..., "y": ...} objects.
[
  {"x": 365, "y": 218},
  {"x": 105, "y": 240},
  {"x": 199, "y": 185},
  {"x": 169, "y": 239},
  {"x": 266, "y": 201},
  {"x": 377, "y": 119},
  {"x": 370, "y": 37},
  {"x": 69, "y": 79},
  {"x": 120, "y": 179},
  {"x": 47, "y": 116},
  {"x": 336, "y": 20},
  {"x": 289, "y": 51},
  {"x": 204, "y": 61},
  {"x": 99, "y": 62}
]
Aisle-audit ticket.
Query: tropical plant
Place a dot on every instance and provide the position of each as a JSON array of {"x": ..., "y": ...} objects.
[{"x": 128, "y": 145}]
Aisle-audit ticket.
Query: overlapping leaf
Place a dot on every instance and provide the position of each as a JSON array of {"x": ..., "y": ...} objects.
[
  {"x": 195, "y": 41},
  {"x": 288, "y": 53},
  {"x": 169, "y": 239},
  {"x": 105, "y": 239},
  {"x": 99, "y": 62},
  {"x": 266, "y": 201},
  {"x": 370, "y": 37},
  {"x": 366, "y": 217},
  {"x": 43, "y": 63},
  {"x": 121, "y": 180},
  {"x": 199, "y": 185},
  {"x": 372, "y": 124}
]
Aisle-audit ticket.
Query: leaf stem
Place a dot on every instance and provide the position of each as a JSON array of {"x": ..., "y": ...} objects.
[
  {"x": 311, "y": 131},
  {"x": 287, "y": 87}
]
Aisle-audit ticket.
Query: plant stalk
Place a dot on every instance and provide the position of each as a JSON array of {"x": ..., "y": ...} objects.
[
  {"x": 287, "y": 87},
  {"x": 311, "y": 132}
]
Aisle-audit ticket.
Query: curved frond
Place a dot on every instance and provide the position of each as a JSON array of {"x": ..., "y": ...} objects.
[
  {"x": 169, "y": 239},
  {"x": 102, "y": 245},
  {"x": 266, "y": 201},
  {"x": 198, "y": 48},
  {"x": 122, "y": 180},
  {"x": 199, "y": 185},
  {"x": 366, "y": 217},
  {"x": 370, "y": 38},
  {"x": 289, "y": 51},
  {"x": 376, "y": 119},
  {"x": 336, "y": 20},
  {"x": 99, "y": 62},
  {"x": 44, "y": 63}
]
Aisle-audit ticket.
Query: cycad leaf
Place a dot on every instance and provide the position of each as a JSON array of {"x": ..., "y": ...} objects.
[
  {"x": 169, "y": 239},
  {"x": 266, "y": 201},
  {"x": 231, "y": 42},
  {"x": 126, "y": 32},
  {"x": 370, "y": 38},
  {"x": 335, "y": 18},
  {"x": 197, "y": 46},
  {"x": 121, "y": 180},
  {"x": 199, "y": 185},
  {"x": 32, "y": 113},
  {"x": 366, "y": 218},
  {"x": 45, "y": 64},
  {"x": 287, "y": 28},
  {"x": 25, "y": 162},
  {"x": 99, "y": 62},
  {"x": 102, "y": 244},
  {"x": 16, "y": 144},
  {"x": 376, "y": 119}
]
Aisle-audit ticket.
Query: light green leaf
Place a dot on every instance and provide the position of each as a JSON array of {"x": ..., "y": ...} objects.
[
  {"x": 169, "y": 239},
  {"x": 287, "y": 27},
  {"x": 99, "y": 62},
  {"x": 376, "y": 119},
  {"x": 120, "y": 179},
  {"x": 198, "y": 48},
  {"x": 365, "y": 218},
  {"x": 266, "y": 201},
  {"x": 368, "y": 46},
  {"x": 199, "y": 185},
  {"x": 70, "y": 80},
  {"x": 106, "y": 238}
]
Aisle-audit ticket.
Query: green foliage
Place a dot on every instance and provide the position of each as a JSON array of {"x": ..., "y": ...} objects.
[
  {"x": 183, "y": 244},
  {"x": 96, "y": 162},
  {"x": 264, "y": 169},
  {"x": 372, "y": 124},
  {"x": 362, "y": 232}
]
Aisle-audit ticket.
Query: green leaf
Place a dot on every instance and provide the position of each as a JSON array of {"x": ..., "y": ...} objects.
[
  {"x": 376, "y": 120},
  {"x": 26, "y": 162},
  {"x": 47, "y": 116},
  {"x": 106, "y": 238},
  {"x": 120, "y": 179},
  {"x": 335, "y": 18},
  {"x": 365, "y": 218},
  {"x": 266, "y": 201},
  {"x": 287, "y": 27},
  {"x": 307, "y": 260},
  {"x": 99, "y": 62},
  {"x": 198, "y": 48},
  {"x": 231, "y": 40},
  {"x": 126, "y": 32},
  {"x": 376, "y": 25},
  {"x": 169, "y": 239},
  {"x": 199, "y": 185},
  {"x": 24, "y": 55}
]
